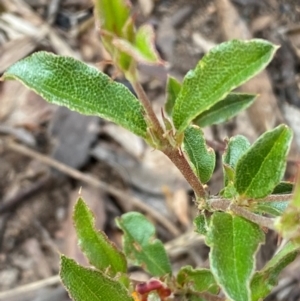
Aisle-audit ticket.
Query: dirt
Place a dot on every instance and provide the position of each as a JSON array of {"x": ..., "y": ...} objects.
[{"x": 37, "y": 228}]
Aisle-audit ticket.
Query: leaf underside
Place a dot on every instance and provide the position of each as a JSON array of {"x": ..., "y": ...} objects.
[
  {"x": 201, "y": 157},
  {"x": 224, "y": 110}
]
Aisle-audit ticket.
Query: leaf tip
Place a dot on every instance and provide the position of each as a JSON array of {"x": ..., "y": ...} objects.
[
  {"x": 276, "y": 47},
  {"x": 63, "y": 259}
]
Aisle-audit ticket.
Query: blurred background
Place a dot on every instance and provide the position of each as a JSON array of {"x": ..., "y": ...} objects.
[{"x": 48, "y": 153}]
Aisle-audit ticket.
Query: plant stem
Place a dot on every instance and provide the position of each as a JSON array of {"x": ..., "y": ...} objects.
[
  {"x": 255, "y": 218},
  {"x": 277, "y": 198},
  {"x": 225, "y": 205},
  {"x": 147, "y": 105},
  {"x": 181, "y": 163},
  {"x": 173, "y": 153}
]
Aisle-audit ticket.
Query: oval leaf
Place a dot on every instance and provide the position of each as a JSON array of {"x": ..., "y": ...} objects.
[
  {"x": 201, "y": 157},
  {"x": 264, "y": 280},
  {"x": 84, "y": 284},
  {"x": 234, "y": 242},
  {"x": 224, "y": 110},
  {"x": 100, "y": 252},
  {"x": 224, "y": 68},
  {"x": 261, "y": 168},
  {"x": 141, "y": 247},
  {"x": 67, "y": 82}
]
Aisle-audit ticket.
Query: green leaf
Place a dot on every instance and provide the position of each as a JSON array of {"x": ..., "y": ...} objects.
[
  {"x": 201, "y": 222},
  {"x": 296, "y": 196},
  {"x": 194, "y": 298},
  {"x": 197, "y": 280},
  {"x": 236, "y": 147},
  {"x": 116, "y": 24},
  {"x": 201, "y": 157},
  {"x": 229, "y": 191},
  {"x": 264, "y": 280},
  {"x": 85, "y": 284},
  {"x": 143, "y": 53},
  {"x": 128, "y": 30},
  {"x": 100, "y": 252},
  {"x": 234, "y": 242},
  {"x": 283, "y": 188},
  {"x": 173, "y": 89},
  {"x": 145, "y": 43},
  {"x": 275, "y": 208},
  {"x": 140, "y": 245},
  {"x": 224, "y": 68},
  {"x": 288, "y": 224},
  {"x": 229, "y": 175},
  {"x": 71, "y": 83},
  {"x": 224, "y": 110},
  {"x": 112, "y": 15},
  {"x": 261, "y": 168}
]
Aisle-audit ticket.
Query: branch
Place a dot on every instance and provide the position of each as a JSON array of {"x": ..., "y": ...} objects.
[
  {"x": 170, "y": 151},
  {"x": 277, "y": 198},
  {"x": 147, "y": 105},
  {"x": 226, "y": 205},
  {"x": 181, "y": 163}
]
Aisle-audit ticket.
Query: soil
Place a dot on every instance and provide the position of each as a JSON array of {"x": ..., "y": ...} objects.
[{"x": 36, "y": 199}]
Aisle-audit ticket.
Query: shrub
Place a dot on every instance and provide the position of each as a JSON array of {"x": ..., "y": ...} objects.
[{"x": 253, "y": 199}]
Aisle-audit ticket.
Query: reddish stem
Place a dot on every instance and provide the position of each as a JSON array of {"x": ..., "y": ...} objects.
[{"x": 170, "y": 151}]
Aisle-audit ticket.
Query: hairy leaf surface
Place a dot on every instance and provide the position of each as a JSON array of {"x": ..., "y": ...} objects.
[
  {"x": 234, "y": 242},
  {"x": 84, "y": 284},
  {"x": 264, "y": 280},
  {"x": 224, "y": 68},
  {"x": 100, "y": 252},
  {"x": 262, "y": 167},
  {"x": 201, "y": 157},
  {"x": 67, "y": 82}
]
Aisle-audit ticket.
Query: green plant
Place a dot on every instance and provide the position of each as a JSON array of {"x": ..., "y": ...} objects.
[{"x": 233, "y": 222}]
